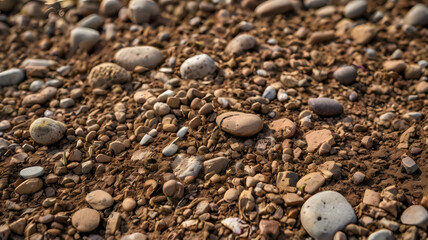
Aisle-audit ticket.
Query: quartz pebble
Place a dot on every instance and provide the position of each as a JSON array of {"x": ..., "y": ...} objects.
[
  {"x": 170, "y": 150},
  {"x": 46, "y": 131},
  {"x": 32, "y": 172},
  {"x": 325, "y": 213},
  {"x": 197, "y": 67},
  {"x": 184, "y": 166},
  {"x": 182, "y": 132}
]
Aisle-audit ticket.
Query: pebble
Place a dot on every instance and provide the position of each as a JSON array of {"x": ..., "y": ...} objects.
[
  {"x": 231, "y": 195},
  {"x": 409, "y": 165},
  {"x": 270, "y": 93},
  {"x": 29, "y": 186},
  {"x": 415, "y": 215},
  {"x": 46, "y": 131},
  {"x": 135, "y": 236},
  {"x": 241, "y": 44},
  {"x": 18, "y": 226},
  {"x": 106, "y": 75},
  {"x": 6, "y": 6},
  {"x": 394, "y": 65},
  {"x": 197, "y": 67},
  {"x": 4, "y": 125},
  {"x": 412, "y": 71},
  {"x": 36, "y": 85},
  {"x": 325, "y": 106},
  {"x": 325, "y": 213},
  {"x": 184, "y": 166},
  {"x": 143, "y": 11},
  {"x": 66, "y": 103},
  {"x": 182, "y": 132},
  {"x": 417, "y": 15},
  {"x": 110, "y": 8},
  {"x": 273, "y": 7},
  {"x": 371, "y": 53},
  {"x": 382, "y": 234},
  {"x": 423, "y": 63},
  {"x": 161, "y": 109},
  {"x": 85, "y": 220},
  {"x": 284, "y": 126},
  {"x": 56, "y": 83},
  {"x": 240, "y": 124},
  {"x": 93, "y": 21},
  {"x": 34, "y": 62},
  {"x": 146, "y": 139},
  {"x": 364, "y": 33},
  {"x": 371, "y": 198},
  {"x": 173, "y": 189},
  {"x": 269, "y": 227},
  {"x": 83, "y": 38},
  {"x": 245, "y": 26},
  {"x": 129, "y": 204},
  {"x": 358, "y": 177},
  {"x": 282, "y": 95},
  {"x": 355, "y": 9},
  {"x": 387, "y": 116},
  {"x": 170, "y": 150},
  {"x": 397, "y": 54},
  {"x": 32, "y": 172},
  {"x": 99, "y": 199},
  {"x": 216, "y": 165},
  {"x": 311, "y": 182},
  {"x": 422, "y": 87},
  {"x": 12, "y": 76},
  {"x": 345, "y": 75},
  {"x": 316, "y": 138},
  {"x": 144, "y": 56},
  {"x": 315, "y": 3}
]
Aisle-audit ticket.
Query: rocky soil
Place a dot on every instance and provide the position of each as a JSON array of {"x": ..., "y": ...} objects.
[{"x": 222, "y": 119}]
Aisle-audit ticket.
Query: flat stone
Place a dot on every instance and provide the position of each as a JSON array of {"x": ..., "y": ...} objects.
[
  {"x": 394, "y": 65},
  {"x": 284, "y": 126},
  {"x": 415, "y": 215},
  {"x": 355, "y": 9},
  {"x": 293, "y": 199},
  {"x": 382, "y": 234},
  {"x": 29, "y": 186},
  {"x": 85, "y": 220},
  {"x": 45, "y": 95},
  {"x": 422, "y": 87},
  {"x": 325, "y": 213},
  {"x": 231, "y": 195},
  {"x": 4, "y": 231},
  {"x": 197, "y": 67},
  {"x": 18, "y": 226},
  {"x": 110, "y": 7},
  {"x": 315, "y": 138},
  {"x": 144, "y": 56},
  {"x": 311, "y": 182},
  {"x": 273, "y": 7},
  {"x": 216, "y": 165},
  {"x": 32, "y": 172},
  {"x": 345, "y": 75},
  {"x": 241, "y": 44},
  {"x": 113, "y": 223},
  {"x": 99, "y": 199},
  {"x": 240, "y": 124},
  {"x": 363, "y": 34},
  {"x": 184, "y": 166},
  {"x": 325, "y": 107},
  {"x": 417, "y": 15},
  {"x": 11, "y": 76}
]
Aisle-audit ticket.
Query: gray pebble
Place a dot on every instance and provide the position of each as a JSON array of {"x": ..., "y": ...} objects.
[
  {"x": 83, "y": 38},
  {"x": 143, "y": 11},
  {"x": 345, "y": 75},
  {"x": 423, "y": 63},
  {"x": 397, "y": 54},
  {"x": 32, "y": 172},
  {"x": 412, "y": 97},
  {"x": 387, "y": 116},
  {"x": 64, "y": 70},
  {"x": 355, "y": 9},
  {"x": 93, "y": 21},
  {"x": 271, "y": 41},
  {"x": 145, "y": 56},
  {"x": 182, "y": 132},
  {"x": 245, "y": 26},
  {"x": 153, "y": 133},
  {"x": 48, "y": 113},
  {"x": 377, "y": 16},
  {"x": 110, "y": 7},
  {"x": 415, "y": 115},
  {"x": 325, "y": 106},
  {"x": 36, "y": 85},
  {"x": 197, "y": 67},
  {"x": 170, "y": 150},
  {"x": 315, "y": 3},
  {"x": 409, "y": 165},
  {"x": 57, "y": 83},
  {"x": 383, "y": 234},
  {"x": 417, "y": 15},
  {"x": 371, "y": 53},
  {"x": 269, "y": 93},
  {"x": 11, "y": 77},
  {"x": 146, "y": 139},
  {"x": 66, "y": 103},
  {"x": 353, "y": 96},
  {"x": 261, "y": 72}
]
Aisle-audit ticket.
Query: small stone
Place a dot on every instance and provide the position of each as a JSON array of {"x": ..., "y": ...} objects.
[
  {"x": 417, "y": 15},
  {"x": 371, "y": 53},
  {"x": 66, "y": 103},
  {"x": 4, "y": 231},
  {"x": 174, "y": 189},
  {"x": 113, "y": 223},
  {"x": 40, "y": 98},
  {"x": 293, "y": 199},
  {"x": 325, "y": 213},
  {"x": 36, "y": 85},
  {"x": 269, "y": 93},
  {"x": 412, "y": 71},
  {"x": 358, "y": 177},
  {"x": 116, "y": 147},
  {"x": 29, "y": 186},
  {"x": 93, "y": 21},
  {"x": 316, "y": 138},
  {"x": 363, "y": 34},
  {"x": 284, "y": 126},
  {"x": 286, "y": 179},
  {"x": 269, "y": 227},
  {"x": 129, "y": 204},
  {"x": 311, "y": 182},
  {"x": 143, "y": 11},
  {"x": 231, "y": 195},
  {"x": 394, "y": 65},
  {"x": 197, "y": 67},
  {"x": 282, "y": 95},
  {"x": 382, "y": 234},
  {"x": 99, "y": 199},
  {"x": 240, "y": 124},
  {"x": 415, "y": 215},
  {"x": 106, "y": 75},
  {"x": 387, "y": 116},
  {"x": 11, "y": 77},
  {"x": 273, "y": 7},
  {"x": 170, "y": 150},
  {"x": 46, "y": 131},
  {"x": 135, "y": 236},
  {"x": 85, "y": 220},
  {"x": 321, "y": 37},
  {"x": 371, "y": 198},
  {"x": 186, "y": 166},
  {"x": 146, "y": 139},
  {"x": 315, "y": 3},
  {"x": 182, "y": 132},
  {"x": 161, "y": 109},
  {"x": 345, "y": 75},
  {"x": 32, "y": 172},
  {"x": 110, "y": 7},
  {"x": 216, "y": 165},
  {"x": 397, "y": 54},
  {"x": 367, "y": 142},
  {"x": 18, "y": 226},
  {"x": 206, "y": 109},
  {"x": 4, "y": 125},
  {"x": 241, "y": 44},
  {"x": 83, "y": 38},
  {"x": 339, "y": 235},
  {"x": 355, "y": 9},
  {"x": 325, "y": 106},
  {"x": 144, "y": 56},
  {"x": 409, "y": 165}
]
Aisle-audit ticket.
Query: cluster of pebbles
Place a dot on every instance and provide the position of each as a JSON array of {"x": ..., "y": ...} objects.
[{"x": 254, "y": 119}]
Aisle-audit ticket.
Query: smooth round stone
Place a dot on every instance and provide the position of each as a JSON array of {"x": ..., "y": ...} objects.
[
  {"x": 153, "y": 133},
  {"x": 261, "y": 72},
  {"x": 182, "y": 132},
  {"x": 93, "y": 21},
  {"x": 29, "y": 186},
  {"x": 129, "y": 204},
  {"x": 423, "y": 63},
  {"x": 417, "y": 15},
  {"x": 273, "y": 7},
  {"x": 66, "y": 103},
  {"x": 269, "y": 93},
  {"x": 240, "y": 44},
  {"x": 6, "y": 6},
  {"x": 383, "y": 234},
  {"x": 355, "y": 9},
  {"x": 415, "y": 215},
  {"x": 144, "y": 56},
  {"x": 325, "y": 213},
  {"x": 48, "y": 113},
  {"x": 37, "y": 62},
  {"x": 106, "y": 75},
  {"x": 36, "y": 85},
  {"x": 231, "y": 195},
  {"x": 11, "y": 77},
  {"x": 110, "y": 7},
  {"x": 173, "y": 188},
  {"x": 83, "y": 38},
  {"x": 142, "y": 11},
  {"x": 240, "y": 124},
  {"x": 32, "y": 172},
  {"x": 85, "y": 220},
  {"x": 271, "y": 41},
  {"x": 164, "y": 96},
  {"x": 371, "y": 53},
  {"x": 345, "y": 75},
  {"x": 146, "y": 139},
  {"x": 377, "y": 16},
  {"x": 57, "y": 83},
  {"x": 170, "y": 150},
  {"x": 397, "y": 54},
  {"x": 197, "y": 67},
  {"x": 46, "y": 131},
  {"x": 4, "y": 125},
  {"x": 325, "y": 106},
  {"x": 245, "y": 26},
  {"x": 315, "y": 3},
  {"x": 99, "y": 199}
]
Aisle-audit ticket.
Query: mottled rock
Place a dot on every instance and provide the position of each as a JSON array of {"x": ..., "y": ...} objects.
[
  {"x": 99, "y": 199},
  {"x": 46, "y": 131},
  {"x": 184, "y": 166},
  {"x": 197, "y": 67}
]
